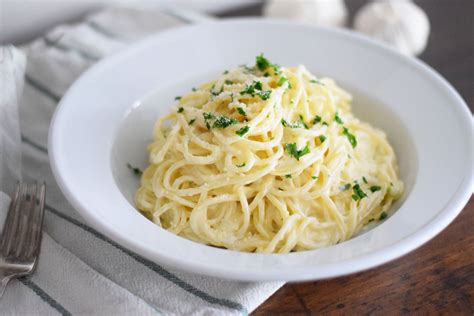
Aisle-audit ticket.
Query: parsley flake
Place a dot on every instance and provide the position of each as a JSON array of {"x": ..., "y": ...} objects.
[
  {"x": 322, "y": 138},
  {"x": 316, "y": 81},
  {"x": 216, "y": 93},
  {"x": 224, "y": 121},
  {"x": 242, "y": 131},
  {"x": 251, "y": 88},
  {"x": 302, "y": 121},
  {"x": 345, "y": 187},
  {"x": 297, "y": 124},
  {"x": 225, "y": 72},
  {"x": 358, "y": 194},
  {"x": 338, "y": 119},
  {"x": 263, "y": 63},
  {"x": 180, "y": 110},
  {"x": 241, "y": 165},
  {"x": 293, "y": 150},
  {"x": 218, "y": 121},
  {"x": 265, "y": 95},
  {"x": 191, "y": 122},
  {"x": 288, "y": 176},
  {"x": 135, "y": 170},
  {"x": 282, "y": 81},
  {"x": 227, "y": 81},
  {"x": 365, "y": 180},
  {"x": 177, "y": 98},
  {"x": 317, "y": 119},
  {"x": 352, "y": 139},
  {"x": 375, "y": 188},
  {"x": 314, "y": 177},
  {"x": 383, "y": 216},
  {"x": 241, "y": 111}
]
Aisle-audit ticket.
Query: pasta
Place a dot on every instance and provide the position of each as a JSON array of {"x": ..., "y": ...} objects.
[{"x": 267, "y": 159}]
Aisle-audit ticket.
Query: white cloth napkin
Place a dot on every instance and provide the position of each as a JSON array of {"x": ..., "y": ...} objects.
[{"x": 80, "y": 271}]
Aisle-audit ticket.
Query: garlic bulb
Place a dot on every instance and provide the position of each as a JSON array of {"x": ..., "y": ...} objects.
[
  {"x": 400, "y": 23},
  {"x": 316, "y": 12}
]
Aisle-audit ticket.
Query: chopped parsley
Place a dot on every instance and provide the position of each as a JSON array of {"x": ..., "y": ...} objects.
[
  {"x": 345, "y": 187},
  {"x": 357, "y": 193},
  {"x": 314, "y": 177},
  {"x": 302, "y": 121},
  {"x": 135, "y": 170},
  {"x": 218, "y": 121},
  {"x": 255, "y": 88},
  {"x": 298, "y": 124},
  {"x": 265, "y": 95},
  {"x": 288, "y": 176},
  {"x": 383, "y": 216},
  {"x": 352, "y": 139},
  {"x": 293, "y": 150},
  {"x": 370, "y": 220},
  {"x": 322, "y": 138},
  {"x": 282, "y": 81},
  {"x": 177, "y": 98},
  {"x": 241, "y": 111},
  {"x": 325, "y": 123},
  {"x": 316, "y": 81},
  {"x": 365, "y": 180},
  {"x": 263, "y": 63},
  {"x": 224, "y": 121},
  {"x": 216, "y": 93},
  {"x": 227, "y": 81},
  {"x": 180, "y": 110},
  {"x": 338, "y": 119},
  {"x": 317, "y": 119},
  {"x": 192, "y": 121},
  {"x": 266, "y": 74},
  {"x": 242, "y": 131},
  {"x": 225, "y": 72},
  {"x": 194, "y": 89},
  {"x": 375, "y": 188},
  {"x": 241, "y": 165}
]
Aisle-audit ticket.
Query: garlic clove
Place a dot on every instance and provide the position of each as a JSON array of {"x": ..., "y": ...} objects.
[
  {"x": 316, "y": 12},
  {"x": 401, "y": 23}
]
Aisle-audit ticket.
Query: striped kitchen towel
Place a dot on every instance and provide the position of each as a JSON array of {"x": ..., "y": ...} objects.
[{"x": 80, "y": 270}]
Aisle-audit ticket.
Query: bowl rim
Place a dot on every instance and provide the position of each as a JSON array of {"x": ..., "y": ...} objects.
[{"x": 363, "y": 262}]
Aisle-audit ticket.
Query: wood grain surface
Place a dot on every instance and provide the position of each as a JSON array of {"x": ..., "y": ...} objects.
[{"x": 437, "y": 278}]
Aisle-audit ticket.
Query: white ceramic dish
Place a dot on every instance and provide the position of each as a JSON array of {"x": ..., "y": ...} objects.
[{"x": 105, "y": 120}]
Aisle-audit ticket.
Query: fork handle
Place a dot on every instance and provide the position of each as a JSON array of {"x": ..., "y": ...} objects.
[{"x": 3, "y": 284}]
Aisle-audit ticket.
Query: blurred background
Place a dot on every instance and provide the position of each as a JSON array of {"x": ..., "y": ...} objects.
[
  {"x": 447, "y": 44},
  {"x": 23, "y": 20}
]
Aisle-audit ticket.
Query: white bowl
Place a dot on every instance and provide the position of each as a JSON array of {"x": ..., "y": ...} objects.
[{"x": 106, "y": 118}]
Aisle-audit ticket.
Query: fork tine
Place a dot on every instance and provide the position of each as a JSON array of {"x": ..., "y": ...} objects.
[
  {"x": 37, "y": 225},
  {"x": 12, "y": 226},
  {"x": 26, "y": 223}
]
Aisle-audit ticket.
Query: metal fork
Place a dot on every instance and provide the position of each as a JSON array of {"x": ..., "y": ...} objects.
[{"x": 20, "y": 240}]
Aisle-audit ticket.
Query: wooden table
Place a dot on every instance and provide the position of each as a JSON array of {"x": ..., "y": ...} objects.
[{"x": 437, "y": 278}]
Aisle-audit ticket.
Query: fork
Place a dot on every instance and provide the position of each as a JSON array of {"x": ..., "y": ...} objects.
[{"x": 20, "y": 240}]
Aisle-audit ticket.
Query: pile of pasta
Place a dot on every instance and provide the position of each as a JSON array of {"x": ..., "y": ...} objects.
[{"x": 267, "y": 159}]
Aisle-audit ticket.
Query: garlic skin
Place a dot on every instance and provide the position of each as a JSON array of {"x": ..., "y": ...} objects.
[
  {"x": 315, "y": 12},
  {"x": 400, "y": 23}
]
